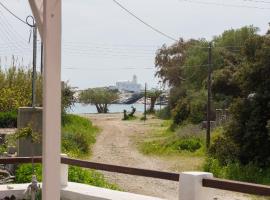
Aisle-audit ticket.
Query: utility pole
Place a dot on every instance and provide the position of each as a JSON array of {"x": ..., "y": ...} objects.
[
  {"x": 34, "y": 73},
  {"x": 209, "y": 84},
  {"x": 145, "y": 101},
  {"x": 41, "y": 58}
]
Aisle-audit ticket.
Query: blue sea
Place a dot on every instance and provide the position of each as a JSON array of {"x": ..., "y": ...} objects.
[{"x": 113, "y": 108}]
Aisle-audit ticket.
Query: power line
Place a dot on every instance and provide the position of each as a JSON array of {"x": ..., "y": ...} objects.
[
  {"x": 224, "y": 5},
  {"x": 13, "y": 14},
  {"x": 257, "y": 1},
  {"x": 88, "y": 43},
  {"x": 14, "y": 31},
  {"x": 145, "y": 23}
]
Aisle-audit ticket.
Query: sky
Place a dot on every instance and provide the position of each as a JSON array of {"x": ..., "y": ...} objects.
[{"x": 102, "y": 44}]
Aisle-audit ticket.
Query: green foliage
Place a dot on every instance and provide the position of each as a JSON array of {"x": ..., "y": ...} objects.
[
  {"x": 183, "y": 66},
  {"x": 68, "y": 98},
  {"x": 181, "y": 111},
  {"x": 89, "y": 177},
  {"x": 171, "y": 146},
  {"x": 24, "y": 173},
  {"x": 250, "y": 112},
  {"x": 224, "y": 150},
  {"x": 198, "y": 105},
  {"x": 236, "y": 171},
  {"x": 190, "y": 144},
  {"x": 166, "y": 142},
  {"x": 78, "y": 135},
  {"x": 164, "y": 113},
  {"x": 16, "y": 87},
  {"x": 8, "y": 119},
  {"x": 100, "y": 97},
  {"x": 75, "y": 174},
  {"x": 28, "y": 133}
]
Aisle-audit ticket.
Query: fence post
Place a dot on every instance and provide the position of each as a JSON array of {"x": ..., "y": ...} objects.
[
  {"x": 64, "y": 172},
  {"x": 190, "y": 187}
]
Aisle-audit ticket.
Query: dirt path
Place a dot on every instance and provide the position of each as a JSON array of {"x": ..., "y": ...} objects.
[{"x": 115, "y": 145}]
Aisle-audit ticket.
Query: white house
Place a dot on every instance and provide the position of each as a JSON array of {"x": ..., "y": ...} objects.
[{"x": 130, "y": 86}]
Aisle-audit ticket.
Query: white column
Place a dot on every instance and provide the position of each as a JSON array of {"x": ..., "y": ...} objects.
[
  {"x": 64, "y": 172},
  {"x": 190, "y": 187},
  {"x": 51, "y": 99}
]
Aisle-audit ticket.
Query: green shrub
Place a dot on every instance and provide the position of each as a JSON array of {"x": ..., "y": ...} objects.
[
  {"x": 8, "y": 119},
  {"x": 223, "y": 149},
  {"x": 75, "y": 174},
  {"x": 197, "y": 111},
  {"x": 236, "y": 171},
  {"x": 78, "y": 135},
  {"x": 164, "y": 113},
  {"x": 191, "y": 144},
  {"x": 23, "y": 173},
  {"x": 212, "y": 165},
  {"x": 16, "y": 86},
  {"x": 89, "y": 177},
  {"x": 181, "y": 111}
]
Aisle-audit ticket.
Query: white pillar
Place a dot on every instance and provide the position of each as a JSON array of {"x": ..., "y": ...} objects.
[
  {"x": 51, "y": 99},
  {"x": 190, "y": 187},
  {"x": 64, "y": 172}
]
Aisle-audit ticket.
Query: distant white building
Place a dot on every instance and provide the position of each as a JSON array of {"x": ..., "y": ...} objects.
[{"x": 130, "y": 86}]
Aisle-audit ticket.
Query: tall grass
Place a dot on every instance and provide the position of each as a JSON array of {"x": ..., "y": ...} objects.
[
  {"x": 78, "y": 136},
  {"x": 183, "y": 141}
]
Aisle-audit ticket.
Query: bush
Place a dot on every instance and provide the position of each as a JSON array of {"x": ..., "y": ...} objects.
[
  {"x": 181, "y": 111},
  {"x": 197, "y": 111},
  {"x": 89, "y": 177},
  {"x": 23, "y": 173},
  {"x": 191, "y": 144},
  {"x": 75, "y": 174},
  {"x": 8, "y": 119},
  {"x": 224, "y": 150},
  {"x": 78, "y": 135},
  {"x": 16, "y": 86},
  {"x": 164, "y": 113},
  {"x": 248, "y": 129},
  {"x": 236, "y": 171}
]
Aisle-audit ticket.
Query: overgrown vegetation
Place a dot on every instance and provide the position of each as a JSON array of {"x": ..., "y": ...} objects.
[
  {"x": 16, "y": 87},
  {"x": 8, "y": 119},
  {"x": 75, "y": 174},
  {"x": 78, "y": 136},
  {"x": 241, "y": 83},
  {"x": 15, "y": 90},
  {"x": 186, "y": 141}
]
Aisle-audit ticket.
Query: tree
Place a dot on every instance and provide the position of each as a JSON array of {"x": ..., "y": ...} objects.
[
  {"x": 100, "y": 97},
  {"x": 251, "y": 112},
  {"x": 248, "y": 131},
  {"x": 153, "y": 95},
  {"x": 183, "y": 66},
  {"x": 68, "y": 99}
]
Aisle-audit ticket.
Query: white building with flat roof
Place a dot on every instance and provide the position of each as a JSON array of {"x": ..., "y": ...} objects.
[{"x": 130, "y": 86}]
